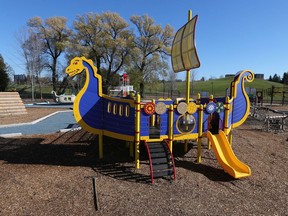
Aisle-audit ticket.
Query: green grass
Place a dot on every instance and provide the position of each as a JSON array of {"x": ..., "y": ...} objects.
[
  {"x": 218, "y": 87},
  {"x": 26, "y": 88}
]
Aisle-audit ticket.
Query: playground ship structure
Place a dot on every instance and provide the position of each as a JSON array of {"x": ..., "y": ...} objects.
[{"x": 160, "y": 123}]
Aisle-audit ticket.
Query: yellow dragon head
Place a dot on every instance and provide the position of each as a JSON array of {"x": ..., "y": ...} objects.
[{"x": 75, "y": 67}]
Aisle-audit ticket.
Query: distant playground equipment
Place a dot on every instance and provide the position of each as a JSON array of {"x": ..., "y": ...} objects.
[
  {"x": 63, "y": 99},
  {"x": 159, "y": 123},
  {"x": 273, "y": 96},
  {"x": 259, "y": 98},
  {"x": 279, "y": 91},
  {"x": 124, "y": 89},
  {"x": 273, "y": 120}
]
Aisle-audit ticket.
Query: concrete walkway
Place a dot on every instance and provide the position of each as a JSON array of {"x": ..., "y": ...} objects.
[{"x": 55, "y": 122}]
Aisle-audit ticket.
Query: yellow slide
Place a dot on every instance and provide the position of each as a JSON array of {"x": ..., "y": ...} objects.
[{"x": 226, "y": 157}]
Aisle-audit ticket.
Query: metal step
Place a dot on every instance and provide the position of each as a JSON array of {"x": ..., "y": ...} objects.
[
  {"x": 160, "y": 159},
  {"x": 158, "y": 154},
  {"x": 162, "y": 166}
]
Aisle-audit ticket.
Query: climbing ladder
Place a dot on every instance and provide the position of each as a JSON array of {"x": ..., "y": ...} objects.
[{"x": 161, "y": 160}]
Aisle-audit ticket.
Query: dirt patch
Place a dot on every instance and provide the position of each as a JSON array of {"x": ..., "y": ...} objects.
[{"x": 52, "y": 175}]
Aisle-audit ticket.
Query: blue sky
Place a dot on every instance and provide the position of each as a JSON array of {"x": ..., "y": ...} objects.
[{"x": 230, "y": 35}]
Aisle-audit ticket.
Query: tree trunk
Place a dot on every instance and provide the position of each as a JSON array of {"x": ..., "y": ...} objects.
[{"x": 54, "y": 74}]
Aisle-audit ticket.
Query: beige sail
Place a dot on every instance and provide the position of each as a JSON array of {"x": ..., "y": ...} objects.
[{"x": 184, "y": 54}]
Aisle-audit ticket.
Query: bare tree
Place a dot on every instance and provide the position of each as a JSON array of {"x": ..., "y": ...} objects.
[
  {"x": 10, "y": 72},
  {"x": 172, "y": 81},
  {"x": 193, "y": 79},
  {"x": 32, "y": 50},
  {"x": 54, "y": 34}
]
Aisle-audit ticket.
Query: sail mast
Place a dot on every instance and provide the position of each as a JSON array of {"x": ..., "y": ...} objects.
[{"x": 188, "y": 70}]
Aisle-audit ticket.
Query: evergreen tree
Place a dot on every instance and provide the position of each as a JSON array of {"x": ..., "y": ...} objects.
[
  {"x": 285, "y": 78},
  {"x": 276, "y": 78},
  {"x": 4, "y": 77}
]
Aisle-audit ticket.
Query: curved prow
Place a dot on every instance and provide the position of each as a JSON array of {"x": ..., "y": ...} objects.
[
  {"x": 226, "y": 157},
  {"x": 55, "y": 96},
  {"x": 239, "y": 97},
  {"x": 88, "y": 106}
]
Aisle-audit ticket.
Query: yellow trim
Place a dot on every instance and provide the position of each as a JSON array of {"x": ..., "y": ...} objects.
[
  {"x": 170, "y": 127},
  {"x": 115, "y": 108},
  {"x": 198, "y": 99},
  {"x": 137, "y": 132},
  {"x": 226, "y": 115},
  {"x": 120, "y": 100},
  {"x": 187, "y": 86},
  {"x": 109, "y": 105},
  {"x": 200, "y": 133},
  {"x": 185, "y": 136},
  {"x": 147, "y": 139},
  {"x": 152, "y": 117},
  {"x": 121, "y": 110},
  {"x": 237, "y": 124},
  {"x": 127, "y": 111},
  {"x": 164, "y": 99}
]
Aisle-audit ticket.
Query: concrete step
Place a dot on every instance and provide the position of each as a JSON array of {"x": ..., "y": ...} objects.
[{"x": 11, "y": 104}]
